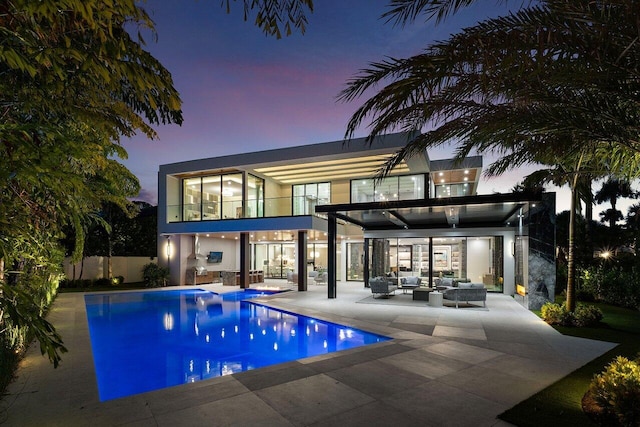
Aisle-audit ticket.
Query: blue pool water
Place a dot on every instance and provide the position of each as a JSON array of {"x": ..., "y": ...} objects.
[{"x": 145, "y": 341}]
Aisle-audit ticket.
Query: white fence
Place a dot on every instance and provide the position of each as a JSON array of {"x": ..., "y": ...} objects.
[{"x": 96, "y": 267}]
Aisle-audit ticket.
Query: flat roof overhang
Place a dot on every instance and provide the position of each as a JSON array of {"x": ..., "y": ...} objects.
[{"x": 493, "y": 210}]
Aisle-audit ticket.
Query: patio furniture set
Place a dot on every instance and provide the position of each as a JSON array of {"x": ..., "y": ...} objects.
[{"x": 448, "y": 289}]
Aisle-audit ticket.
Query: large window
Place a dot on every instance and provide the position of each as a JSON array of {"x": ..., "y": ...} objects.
[
  {"x": 406, "y": 187},
  {"x": 192, "y": 199},
  {"x": 453, "y": 190},
  {"x": 221, "y": 197},
  {"x": 255, "y": 197},
  {"x": 307, "y": 196}
]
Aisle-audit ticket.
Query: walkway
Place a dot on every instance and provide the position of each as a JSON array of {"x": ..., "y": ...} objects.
[{"x": 445, "y": 366}]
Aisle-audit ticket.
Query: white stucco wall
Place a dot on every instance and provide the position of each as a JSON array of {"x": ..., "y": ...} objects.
[{"x": 96, "y": 268}]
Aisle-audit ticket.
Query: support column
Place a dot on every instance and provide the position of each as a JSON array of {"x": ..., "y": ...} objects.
[
  {"x": 245, "y": 260},
  {"x": 302, "y": 260},
  {"x": 366, "y": 262},
  {"x": 431, "y": 282},
  {"x": 331, "y": 255}
]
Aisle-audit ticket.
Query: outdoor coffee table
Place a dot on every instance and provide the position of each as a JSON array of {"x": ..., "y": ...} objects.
[{"x": 421, "y": 294}]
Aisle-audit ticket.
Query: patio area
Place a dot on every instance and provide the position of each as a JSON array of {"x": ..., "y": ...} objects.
[{"x": 445, "y": 366}]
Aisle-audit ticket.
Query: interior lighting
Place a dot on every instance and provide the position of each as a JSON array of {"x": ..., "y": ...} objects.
[
  {"x": 441, "y": 174},
  {"x": 466, "y": 171}
]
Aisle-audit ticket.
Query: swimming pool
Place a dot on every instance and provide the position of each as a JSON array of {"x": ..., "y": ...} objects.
[{"x": 145, "y": 341}]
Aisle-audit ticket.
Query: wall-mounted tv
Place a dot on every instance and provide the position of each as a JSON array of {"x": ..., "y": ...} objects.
[{"x": 214, "y": 257}]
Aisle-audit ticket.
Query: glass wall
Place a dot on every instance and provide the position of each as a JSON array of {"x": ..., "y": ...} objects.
[
  {"x": 221, "y": 197},
  {"x": 468, "y": 259},
  {"x": 275, "y": 259},
  {"x": 453, "y": 190},
  {"x": 317, "y": 255},
  {"x": 254, "y": 207},
  {"x": 307, "y": 196},
  {"x": 192, "y": 199},
  {"x": 406, "y": 187},
  {"x": 211, "y": 197}
]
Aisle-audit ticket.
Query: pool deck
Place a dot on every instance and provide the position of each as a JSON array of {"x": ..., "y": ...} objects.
[{"x": 445, "y": 366}]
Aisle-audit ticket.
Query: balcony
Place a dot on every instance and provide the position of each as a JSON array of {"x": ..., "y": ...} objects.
[{"x": 214, "y": 211}]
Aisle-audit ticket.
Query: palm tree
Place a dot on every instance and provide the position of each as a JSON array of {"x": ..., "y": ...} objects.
[
  {"x": 613, "y": 189},
  {"x": 545, "y": 83}
]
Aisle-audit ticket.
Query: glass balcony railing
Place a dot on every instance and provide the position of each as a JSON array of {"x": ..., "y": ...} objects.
[{"x": 273, "y": 207}]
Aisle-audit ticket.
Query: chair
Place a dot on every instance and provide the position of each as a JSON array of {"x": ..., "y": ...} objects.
[
  {"x": 321, "y": 278},
  {"x": 292, "y": 277},
  {"x": 409, "y": 282},
  {"x": 382, "y": 286}
]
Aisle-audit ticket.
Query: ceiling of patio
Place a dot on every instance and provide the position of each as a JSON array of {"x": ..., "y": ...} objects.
[{"x": 472, "y": 211}]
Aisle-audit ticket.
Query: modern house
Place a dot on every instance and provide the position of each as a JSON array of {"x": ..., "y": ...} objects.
[{"x": 315, "y": 212}]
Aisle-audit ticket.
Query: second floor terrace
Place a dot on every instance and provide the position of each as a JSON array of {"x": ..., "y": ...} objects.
[{"x": 293, "y": 181}]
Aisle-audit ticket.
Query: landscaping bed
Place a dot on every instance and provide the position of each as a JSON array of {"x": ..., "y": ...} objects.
[{"x": 561, "y": 403}]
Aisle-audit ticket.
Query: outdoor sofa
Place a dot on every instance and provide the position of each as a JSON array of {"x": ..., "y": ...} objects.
[
  {"x": 409, "y": 282},
  {"x": 466, "y": 292}
]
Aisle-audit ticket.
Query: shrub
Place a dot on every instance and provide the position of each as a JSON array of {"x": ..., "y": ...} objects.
[
  {"x": 613, "y": 284},
  {"x": 617, "y": 391},
  {"x": 556, "y": 314},
  {"x": 154, "y": 275},
  {"x": 584, "y": 315},
  {"x": 587, "y": 315},
  {"x": 102, "y": 282}
]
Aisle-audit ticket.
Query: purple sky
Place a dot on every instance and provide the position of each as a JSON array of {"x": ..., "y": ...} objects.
[{"x": 244, "y": 92}]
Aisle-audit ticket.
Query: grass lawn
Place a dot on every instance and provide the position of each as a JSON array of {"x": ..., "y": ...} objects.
[{"x": 560, "y": 403}]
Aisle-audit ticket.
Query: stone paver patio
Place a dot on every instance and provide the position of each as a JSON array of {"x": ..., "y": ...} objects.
[{"x": 445, "y": 366}]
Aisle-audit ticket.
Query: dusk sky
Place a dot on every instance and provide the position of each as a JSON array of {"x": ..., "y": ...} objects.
[{"x": 243, "y": 91}]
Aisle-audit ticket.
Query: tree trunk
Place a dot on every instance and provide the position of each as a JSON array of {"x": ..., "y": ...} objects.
[
  {"x": 571, "y": 266},
  {"x": 612, "y": 220},
  {"x": 588, "y": 213}
]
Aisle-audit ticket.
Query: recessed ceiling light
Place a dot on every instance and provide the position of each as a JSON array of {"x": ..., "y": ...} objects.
[{"x": 466, "y": 172}]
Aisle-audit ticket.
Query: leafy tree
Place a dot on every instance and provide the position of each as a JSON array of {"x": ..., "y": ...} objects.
[
  {"x": 73, "y": 82},
  {"x": 554, "y": 82}
]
